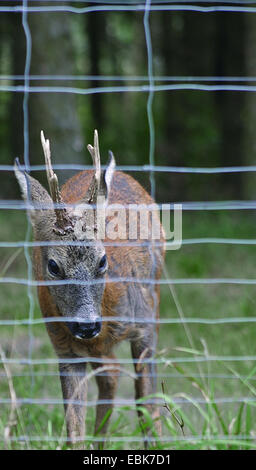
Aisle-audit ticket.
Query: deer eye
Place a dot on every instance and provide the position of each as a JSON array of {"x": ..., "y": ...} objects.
[
  {"x": 103, "y": 264},
  {"x": 53, "y": 268}
]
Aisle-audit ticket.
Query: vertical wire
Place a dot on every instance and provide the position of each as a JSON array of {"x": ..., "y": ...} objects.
[
  {"x": 150, "y": 96},
  {"x": 153, "y": 255},
  {"x": 26, "y": 85},
  {"x": 27, "y": 166}
]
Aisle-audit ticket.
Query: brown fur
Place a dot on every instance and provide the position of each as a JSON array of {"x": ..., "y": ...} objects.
[{"x": 118, "y": 299}]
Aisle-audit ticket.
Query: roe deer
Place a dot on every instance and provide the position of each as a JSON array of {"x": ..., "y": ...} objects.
[{"x": 85, "y": 295}]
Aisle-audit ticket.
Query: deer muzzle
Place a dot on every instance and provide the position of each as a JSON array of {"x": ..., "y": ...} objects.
[{"x": 85, "y": 330}]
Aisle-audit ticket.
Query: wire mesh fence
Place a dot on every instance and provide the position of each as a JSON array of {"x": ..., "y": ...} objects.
[{"x": 198, "y": 374}]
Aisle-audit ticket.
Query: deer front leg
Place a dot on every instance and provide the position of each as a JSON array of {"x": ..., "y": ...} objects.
[
  {"x": 145, "y": 383},
  {"x": 107, "y": 383},
  {"x": 74, "y": 390}
]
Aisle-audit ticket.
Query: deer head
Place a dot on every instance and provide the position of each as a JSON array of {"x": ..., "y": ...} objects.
[{"x": 53, "y": 220}]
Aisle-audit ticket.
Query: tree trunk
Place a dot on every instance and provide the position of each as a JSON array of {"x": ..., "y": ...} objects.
[
  {"x": 230, "y": 61},
  {"x": 95, "y": 29},
  {"x": 250, "y": 105},
  {"x": 55, "y": 113}
]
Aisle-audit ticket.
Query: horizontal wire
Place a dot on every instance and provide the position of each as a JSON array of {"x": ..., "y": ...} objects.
[
  {"x": 143, "y": 168},
  {"x": 188, "y": 241},
  {"x": 126, "y": 401},
  {"x": 230, "y": 241},
  {"x": 121, "y": 2},
  {"x": 140, "y": 7},
  {"x": 192, "y": 438},
  {"x": 105, "y": 361},
  {"x": 125, "y": 320},
  {"x": 126, "y": 88},
  {"x": 176, "y": 281},
  {"x": 78, "y": 243},
  {"x": 122, "y": 374},
  {"x": 9, "y": 204},
  {"x": 144, "y": 78}
]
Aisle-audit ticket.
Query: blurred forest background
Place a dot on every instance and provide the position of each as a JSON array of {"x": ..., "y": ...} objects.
[{"x": 192, "y": 128}]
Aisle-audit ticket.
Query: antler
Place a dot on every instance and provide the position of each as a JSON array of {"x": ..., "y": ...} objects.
[
  {"x": 63, "y": 222},
  {"x": 95, "y": 184}
]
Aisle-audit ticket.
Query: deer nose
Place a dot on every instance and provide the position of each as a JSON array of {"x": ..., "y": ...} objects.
[{"x": 83, "y": 330}]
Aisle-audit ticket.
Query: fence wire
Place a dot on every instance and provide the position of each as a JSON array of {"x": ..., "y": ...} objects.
[
  {"x": 136, "y": 7},
  {"x": 149, "y": 84}
]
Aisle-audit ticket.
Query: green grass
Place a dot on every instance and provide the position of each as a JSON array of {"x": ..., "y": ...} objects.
[{"x": 189, "y": 424}]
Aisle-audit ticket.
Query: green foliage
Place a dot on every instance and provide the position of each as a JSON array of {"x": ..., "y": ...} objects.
[
  {"x": 192, "y": 128},
  {"x": 192, "y": 416}
]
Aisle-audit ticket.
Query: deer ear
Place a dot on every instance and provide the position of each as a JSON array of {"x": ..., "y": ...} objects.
[
  {"x": 40, "y": 207},
  {"x": 108, "y": 176}
]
